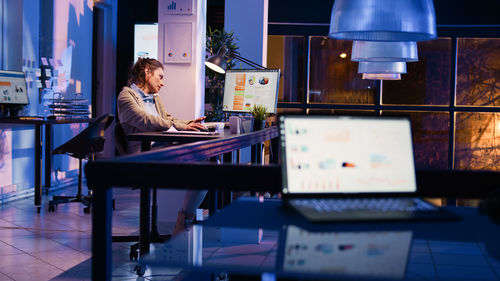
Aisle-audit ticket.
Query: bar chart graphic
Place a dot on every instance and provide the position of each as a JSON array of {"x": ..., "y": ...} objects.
[{"x": 172, "y": 6}]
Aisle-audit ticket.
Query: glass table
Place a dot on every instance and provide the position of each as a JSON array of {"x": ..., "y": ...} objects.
[{"x": 215, "y": 250}]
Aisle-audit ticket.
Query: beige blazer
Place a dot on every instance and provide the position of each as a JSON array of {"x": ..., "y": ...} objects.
[{"x": 134, "y": 118}]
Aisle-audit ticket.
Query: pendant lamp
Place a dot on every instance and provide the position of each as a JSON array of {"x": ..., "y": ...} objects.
[
  {"x": 383, "y": 20},
  {"x": 382, "y": 76},
  {"x": 382, "y": 67},
  {"x": 383, "y": 51}
]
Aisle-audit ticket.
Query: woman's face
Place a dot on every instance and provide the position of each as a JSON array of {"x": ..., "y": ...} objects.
[{"x": 154, "y": 80}]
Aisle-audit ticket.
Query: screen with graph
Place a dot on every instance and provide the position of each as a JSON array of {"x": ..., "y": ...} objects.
[
  {"x": 374, "y": 254},
  {"x": 13, "y": 88},
  {"x": 342, "y": 154},
  {"x": 245, "y": 88}
]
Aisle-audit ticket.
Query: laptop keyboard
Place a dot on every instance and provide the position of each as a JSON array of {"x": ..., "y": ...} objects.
[{"x": 372, "y": 205}]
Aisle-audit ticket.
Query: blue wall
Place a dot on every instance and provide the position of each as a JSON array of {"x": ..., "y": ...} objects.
[{"x": 47, "y": 28}]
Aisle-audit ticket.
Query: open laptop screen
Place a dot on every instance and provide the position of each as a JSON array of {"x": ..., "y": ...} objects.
[{"x": 340, "y": 154}]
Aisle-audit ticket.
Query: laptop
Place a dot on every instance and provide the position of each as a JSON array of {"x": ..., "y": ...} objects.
[{"x": 351, "y": 168}]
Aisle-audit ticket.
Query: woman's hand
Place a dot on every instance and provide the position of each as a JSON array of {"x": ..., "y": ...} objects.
[
  {"x": 194, "y": 126},
  {"x": 199, "y": 119}
]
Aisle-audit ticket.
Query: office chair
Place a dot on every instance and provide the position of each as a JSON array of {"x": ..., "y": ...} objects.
[
  {"x": 83, "y": 146},
  {"x": 120, "y": 150},
  {"x": 120, "y": 140}
]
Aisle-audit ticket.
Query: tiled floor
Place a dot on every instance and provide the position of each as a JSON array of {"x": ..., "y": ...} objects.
[{"x": 57, "y": 245}]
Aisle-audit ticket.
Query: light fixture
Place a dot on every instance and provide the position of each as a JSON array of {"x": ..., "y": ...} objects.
[
  {"x": 217, "y": 62},
  {"x": 382, "y": 70},
  {"x": 383, "y": 20},
  {"x": 382, "y": 76},
  {"x": 382, "y": 67},
  {"x": 383, "y": 51}
]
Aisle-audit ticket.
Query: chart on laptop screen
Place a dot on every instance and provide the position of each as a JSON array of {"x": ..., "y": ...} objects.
[{"x": 348, "y": 155}]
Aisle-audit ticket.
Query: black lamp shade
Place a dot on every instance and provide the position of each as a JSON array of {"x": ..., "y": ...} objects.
[{"x": 217, "y": 62}]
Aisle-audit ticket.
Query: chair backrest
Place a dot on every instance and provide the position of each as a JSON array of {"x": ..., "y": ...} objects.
[
  {"x": 88, "y": 141},
  {"x": 120, "y": 139}
]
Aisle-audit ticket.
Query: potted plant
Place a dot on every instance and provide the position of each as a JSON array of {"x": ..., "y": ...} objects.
[
  {"x": 259, "y": 113},
  {"x": 214, "y": 83}
]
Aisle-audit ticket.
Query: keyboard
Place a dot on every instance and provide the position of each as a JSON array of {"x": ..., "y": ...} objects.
[
  {"x": 369, "y": 204},
  {"x": 213, "y": 125},
  {"x": 368, "y": 209}
]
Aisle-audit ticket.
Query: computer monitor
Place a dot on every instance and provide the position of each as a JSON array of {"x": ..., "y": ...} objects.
[
  {"x": 13, "y": 88},
  {"x": 244, "y": 88}
]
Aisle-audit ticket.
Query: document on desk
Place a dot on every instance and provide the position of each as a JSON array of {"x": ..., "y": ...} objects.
[{"x": 174, "y": 131}]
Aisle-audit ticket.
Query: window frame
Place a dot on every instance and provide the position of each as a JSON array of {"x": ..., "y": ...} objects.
[{"x": 454, "y": 32}]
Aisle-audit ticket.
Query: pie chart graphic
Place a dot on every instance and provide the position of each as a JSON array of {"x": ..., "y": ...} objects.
[{"x": 264, "y": 80}]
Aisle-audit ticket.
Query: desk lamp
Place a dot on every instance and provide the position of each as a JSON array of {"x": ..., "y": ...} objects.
[{"x": 217, "y": 62}]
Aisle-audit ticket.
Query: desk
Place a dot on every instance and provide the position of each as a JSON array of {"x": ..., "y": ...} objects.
[
  {"x": 224, "y": 140},
  {"x": 447, "y": 250},
  {"x": 38, "y": 123},
  {"x": 149, "y": 169},
  {"x": 146, "y": 138}
]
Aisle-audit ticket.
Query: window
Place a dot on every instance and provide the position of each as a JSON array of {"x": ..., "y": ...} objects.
[{"x": 455, "y": 114}]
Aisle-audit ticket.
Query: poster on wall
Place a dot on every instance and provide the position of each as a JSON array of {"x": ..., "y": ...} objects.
[{"x": 145, "y": 41}]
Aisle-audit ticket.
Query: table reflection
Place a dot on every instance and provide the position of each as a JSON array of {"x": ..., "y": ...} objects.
[
  {"x": 374, "y": 254},
  {"x": 290, "y": 252}
]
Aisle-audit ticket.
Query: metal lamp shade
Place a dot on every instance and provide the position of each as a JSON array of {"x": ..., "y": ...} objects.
[
  {"x": 382, "y": 67},
  {"x": 378, "y": 51},
  {"x": 382, "y": 76},
  {"x": 383, "y": 20},
  {"x": 217, "y": 62}
]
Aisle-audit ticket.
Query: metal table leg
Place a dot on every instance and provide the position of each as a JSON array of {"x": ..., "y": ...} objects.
[
  {"x": 48, "y": 157},
  {"x": 144, "y": 216},
  {"x": 101, "y": 233},
  {"x": 38, "y": 168}
]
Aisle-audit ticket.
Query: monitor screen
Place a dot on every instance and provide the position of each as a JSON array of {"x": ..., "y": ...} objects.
[
  {"x": 245, "y": 88},
  {"x": 13, "y": 88}
]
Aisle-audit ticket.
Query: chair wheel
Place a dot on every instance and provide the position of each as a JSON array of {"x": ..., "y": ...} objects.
[
  {"x": 133, "y": 255},
  {"x": 86, "y": 210},
  {"x": 52, "y": 207},
  {"x": 140, "y": 270}
]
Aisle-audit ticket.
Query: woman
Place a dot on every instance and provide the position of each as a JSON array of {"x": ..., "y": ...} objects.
[{"x": 141, "y": 110}]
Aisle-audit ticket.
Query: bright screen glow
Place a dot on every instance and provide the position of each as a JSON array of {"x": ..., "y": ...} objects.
[
  {"x": 368, "y": 254},
  {"x": 347, "y": 155},
  {"x": 145, "y": 41},
  {"x": 245, "y": 88},
  {"x": 13, "y": 88}
]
